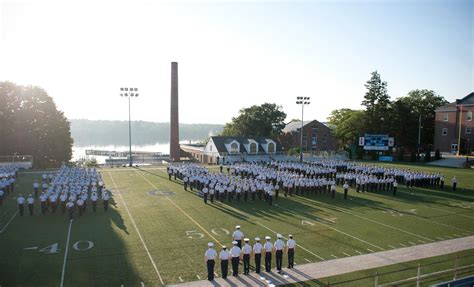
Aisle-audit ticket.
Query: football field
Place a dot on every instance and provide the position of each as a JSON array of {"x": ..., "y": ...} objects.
[{"x": 155, "y": 233}]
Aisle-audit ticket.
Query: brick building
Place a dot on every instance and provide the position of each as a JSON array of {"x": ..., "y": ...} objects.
[
  {"x": 316, "y": 136},
  {"x": 449, "y": 118}
]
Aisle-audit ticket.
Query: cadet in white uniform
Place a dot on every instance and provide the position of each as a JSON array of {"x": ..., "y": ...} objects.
[
  {"x": 279, "y": 247},
  {"x": 268, "y": 248},
  {"x": 21, "y": 204},
  {"x": 257, "y": 251},
  {"x": 210, "y": 259},
  {"x": 246, "y": 250},
  {"x": 455, "y": 182},
  {"x": 395, "y": 185},
  {"x": 224, "y": 257},
  {"x": 31, "y": 202},
  {"x": 291, "y": 244},
  {"x": 105, "y": 199},
  {"x": 346, "y": 189},
  {"x": 2, "y": 194},
  {"x": 238, "y": 236},
  {"x": 70, "y": 208},
  {"x": 94, "y": 201},
  {"x": 235, "y": 254},
  {"x": 36, "y": 187}
]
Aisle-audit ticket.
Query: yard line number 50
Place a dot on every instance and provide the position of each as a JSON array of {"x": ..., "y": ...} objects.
[{"x": 194, "y": 234}]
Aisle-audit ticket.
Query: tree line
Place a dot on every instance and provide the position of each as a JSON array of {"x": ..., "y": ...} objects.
[
  {"x": 31, "y": 124},
  {"x": 399, "y": 118}
]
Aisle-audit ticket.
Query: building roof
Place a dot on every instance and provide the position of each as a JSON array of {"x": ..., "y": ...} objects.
[
  {"x": 293, "y": 126},
  {"x": 467, "y": 100},
  {"x": 221, "y": 141}
]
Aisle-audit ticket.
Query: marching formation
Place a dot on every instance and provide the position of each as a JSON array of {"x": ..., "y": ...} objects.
[
  {"x": 245, "y": 252},
  {"x": 251, "y": 181},
  {"x": 70, "y": 188},
  {"x": 8, "y": 175}
]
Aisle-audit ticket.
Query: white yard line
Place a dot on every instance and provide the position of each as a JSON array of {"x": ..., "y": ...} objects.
[
  {"x": 342, "y": 232},
  {"x": 307, "y": 260},
  {"x": 65, "y": 253},
  {"x": 370, "y": 250},
  {"x": 287, "y": 239},
  {"x": 198, "y": 277},
  {"x": 182, "y": 211},
  {"x": 359, "y": 252},
  {"x": 138, "y": 232},
  {"x": 439, "y": 238},
  {"x": 403, "y": 245},
  {"x": 334, "y": 256},
  {"x": 374, "y": 221},
  {"x": 421, "y": 241},
  {"x": 391, "y": 246},
  {"x": 412, "y": 243},
  {"x": 180, "y": 279},
  {"x": 454, "y": 213},
  {"x": 347, "y": 254},
  {"x": 8, "y": 223},
  {"x": 143, "y": 284}
]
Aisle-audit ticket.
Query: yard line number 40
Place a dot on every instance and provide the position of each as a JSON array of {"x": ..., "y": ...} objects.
[{"x": 81, "y": 245}]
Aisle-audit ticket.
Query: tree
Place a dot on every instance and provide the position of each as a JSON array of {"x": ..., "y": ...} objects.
[
  {"x": 266, "y": 120},
  {"x": 30, "y": 124},
  {"x": 377, "y": 104},
  {"x": 347, "y": 125},
  {"x": 421, "y": 103}
]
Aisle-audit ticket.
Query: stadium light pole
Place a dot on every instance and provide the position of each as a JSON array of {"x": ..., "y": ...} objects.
[
  {"x": 129, "y": 93},
  {"x": 302, "y": 101}
]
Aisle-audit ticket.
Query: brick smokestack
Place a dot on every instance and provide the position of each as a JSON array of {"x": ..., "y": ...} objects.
[{"x": 174, "y": 121}]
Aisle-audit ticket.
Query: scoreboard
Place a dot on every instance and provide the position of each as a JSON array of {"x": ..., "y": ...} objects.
[{"x": 376, "y": 142}]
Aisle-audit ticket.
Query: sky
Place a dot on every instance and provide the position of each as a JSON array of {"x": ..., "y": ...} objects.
[{"x": 232, "y": 54}]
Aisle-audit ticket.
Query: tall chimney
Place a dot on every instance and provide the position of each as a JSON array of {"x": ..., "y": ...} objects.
[{"x": 174, "y": 121}]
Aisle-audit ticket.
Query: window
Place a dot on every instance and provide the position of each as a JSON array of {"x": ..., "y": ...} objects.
[
  {"x": 469, "y": 116},
  {"x": 468, "y": 130},
  {"x": 304, "y": 138},
  {"x": 234, "y": 147},
  {"x": 445, "y": 131},
  {"x": 271, "y": 148},
  {"x": 313, "y": 140},
  {"x": 445, "y": 117},
  {"x": 253, "y": 148}
]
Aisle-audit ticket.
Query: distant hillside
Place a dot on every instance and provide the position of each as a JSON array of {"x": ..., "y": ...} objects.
[{"x": 91, "y": 132}]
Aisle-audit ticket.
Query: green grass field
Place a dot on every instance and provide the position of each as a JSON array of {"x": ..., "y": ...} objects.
[{"x": 108, "y": 249}]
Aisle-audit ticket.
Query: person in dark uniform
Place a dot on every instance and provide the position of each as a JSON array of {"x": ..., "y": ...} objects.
[
  {"x": 455, "y": 183},
  {"x": 257, "y": 251},
  {"x": 210, "y": 259},
  {"x": 224, "y": 257}
]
